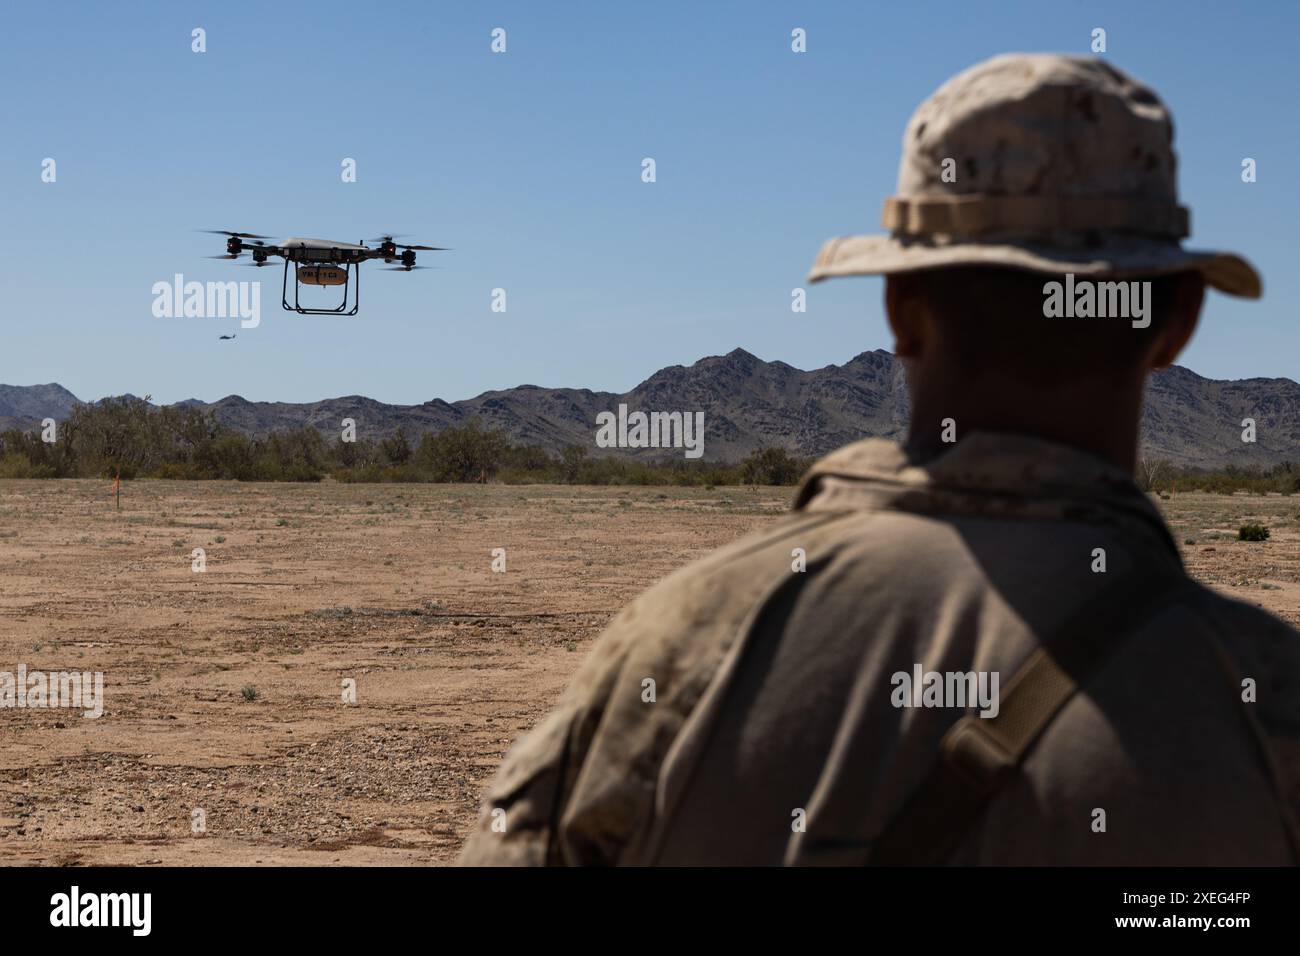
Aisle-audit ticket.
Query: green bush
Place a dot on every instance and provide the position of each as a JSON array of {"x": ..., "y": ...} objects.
[
  {"x": 1252, "y": 532},
  {"x": 462, "y": 454},
  {"x": 771, "y": 466},
  {"x": 14, "y": 465}
]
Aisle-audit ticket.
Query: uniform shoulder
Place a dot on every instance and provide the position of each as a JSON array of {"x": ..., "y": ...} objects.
[
  {"x": 1241, "y": 620},
  {"x": 721, "y": 588},
  {"x": 1264, "y": 652},
  {"x": 662, "y": 648},
  {"x": 1261, "y": 644}
]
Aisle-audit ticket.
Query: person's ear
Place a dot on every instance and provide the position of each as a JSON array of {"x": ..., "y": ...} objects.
[
  {"x": 906, "y": 317},
  {"x": 1180, "y": 323}
]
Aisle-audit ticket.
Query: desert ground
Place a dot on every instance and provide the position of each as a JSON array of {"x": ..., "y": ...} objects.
[{"x": 224, "y": 689}]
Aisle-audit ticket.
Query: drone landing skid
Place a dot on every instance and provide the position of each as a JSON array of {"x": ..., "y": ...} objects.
[{"x": 352, "y": 282}]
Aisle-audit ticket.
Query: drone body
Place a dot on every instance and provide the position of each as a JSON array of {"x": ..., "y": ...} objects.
[{"x": 321, "y": 262}]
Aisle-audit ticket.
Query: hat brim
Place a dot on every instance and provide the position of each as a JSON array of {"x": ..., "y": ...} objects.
[{"x": 880, "y": 255}]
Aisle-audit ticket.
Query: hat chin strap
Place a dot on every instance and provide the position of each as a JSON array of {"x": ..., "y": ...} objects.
[{"x": 1033, "y": 217}]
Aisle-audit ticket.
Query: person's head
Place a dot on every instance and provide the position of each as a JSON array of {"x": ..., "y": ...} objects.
[
  {"x": 988, "y": 322},
  {"x": 981, "y": 351},
  {"x": 1025, "y": 170}
]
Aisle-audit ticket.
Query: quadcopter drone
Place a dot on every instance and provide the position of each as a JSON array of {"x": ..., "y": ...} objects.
[{"x": 322, "y": 262}]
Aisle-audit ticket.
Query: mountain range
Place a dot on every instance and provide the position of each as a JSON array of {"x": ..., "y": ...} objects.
[{"x": 749, "y": 403}]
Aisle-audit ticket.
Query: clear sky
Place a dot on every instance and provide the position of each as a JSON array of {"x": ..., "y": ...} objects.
[{"x": 528, "y": 163}]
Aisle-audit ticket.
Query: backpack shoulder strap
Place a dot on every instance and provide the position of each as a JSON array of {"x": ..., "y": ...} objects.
[{"x": 977, "y": 756}]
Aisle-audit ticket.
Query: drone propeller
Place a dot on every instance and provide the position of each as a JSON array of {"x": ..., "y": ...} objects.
[
  {"x": 238, "y": 235},
  {"x": 404, "y": 268},
  {"x": 400, "y": 245},
  {"x": 231, "y": 256},
  {"x": 255, "y": 263}
]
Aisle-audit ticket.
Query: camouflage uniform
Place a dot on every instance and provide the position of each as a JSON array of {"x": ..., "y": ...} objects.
[
  {"x": 773, "y": 690},
  {"x": 772, "y": 736}
]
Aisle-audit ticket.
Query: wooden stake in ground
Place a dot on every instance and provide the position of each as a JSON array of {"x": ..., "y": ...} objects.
[{"x": 117, "y": 489}]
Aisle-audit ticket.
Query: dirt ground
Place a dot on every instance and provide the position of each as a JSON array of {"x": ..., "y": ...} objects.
[{"x": 224, "y": 689}]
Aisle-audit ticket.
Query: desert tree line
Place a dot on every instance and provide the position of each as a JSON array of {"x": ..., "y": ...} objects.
[
  {"x": 134, "y": 439},
  {"x": 1159, "y": 476}
]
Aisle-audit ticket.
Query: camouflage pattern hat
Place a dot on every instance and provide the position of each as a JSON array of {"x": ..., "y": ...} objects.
[{"x": 1043, "y": 162}]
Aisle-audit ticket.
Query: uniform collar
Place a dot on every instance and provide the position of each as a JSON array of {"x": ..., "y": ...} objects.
[{"x": 988, "y": 473}]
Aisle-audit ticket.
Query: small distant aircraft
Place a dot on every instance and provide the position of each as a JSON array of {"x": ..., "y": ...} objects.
[
  {"x": 321, "y": 262},
  {"x": 225, "y": 336}
]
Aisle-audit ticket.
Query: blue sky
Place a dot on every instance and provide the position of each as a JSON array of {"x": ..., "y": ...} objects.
[{"x": 528, "y": 163}]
